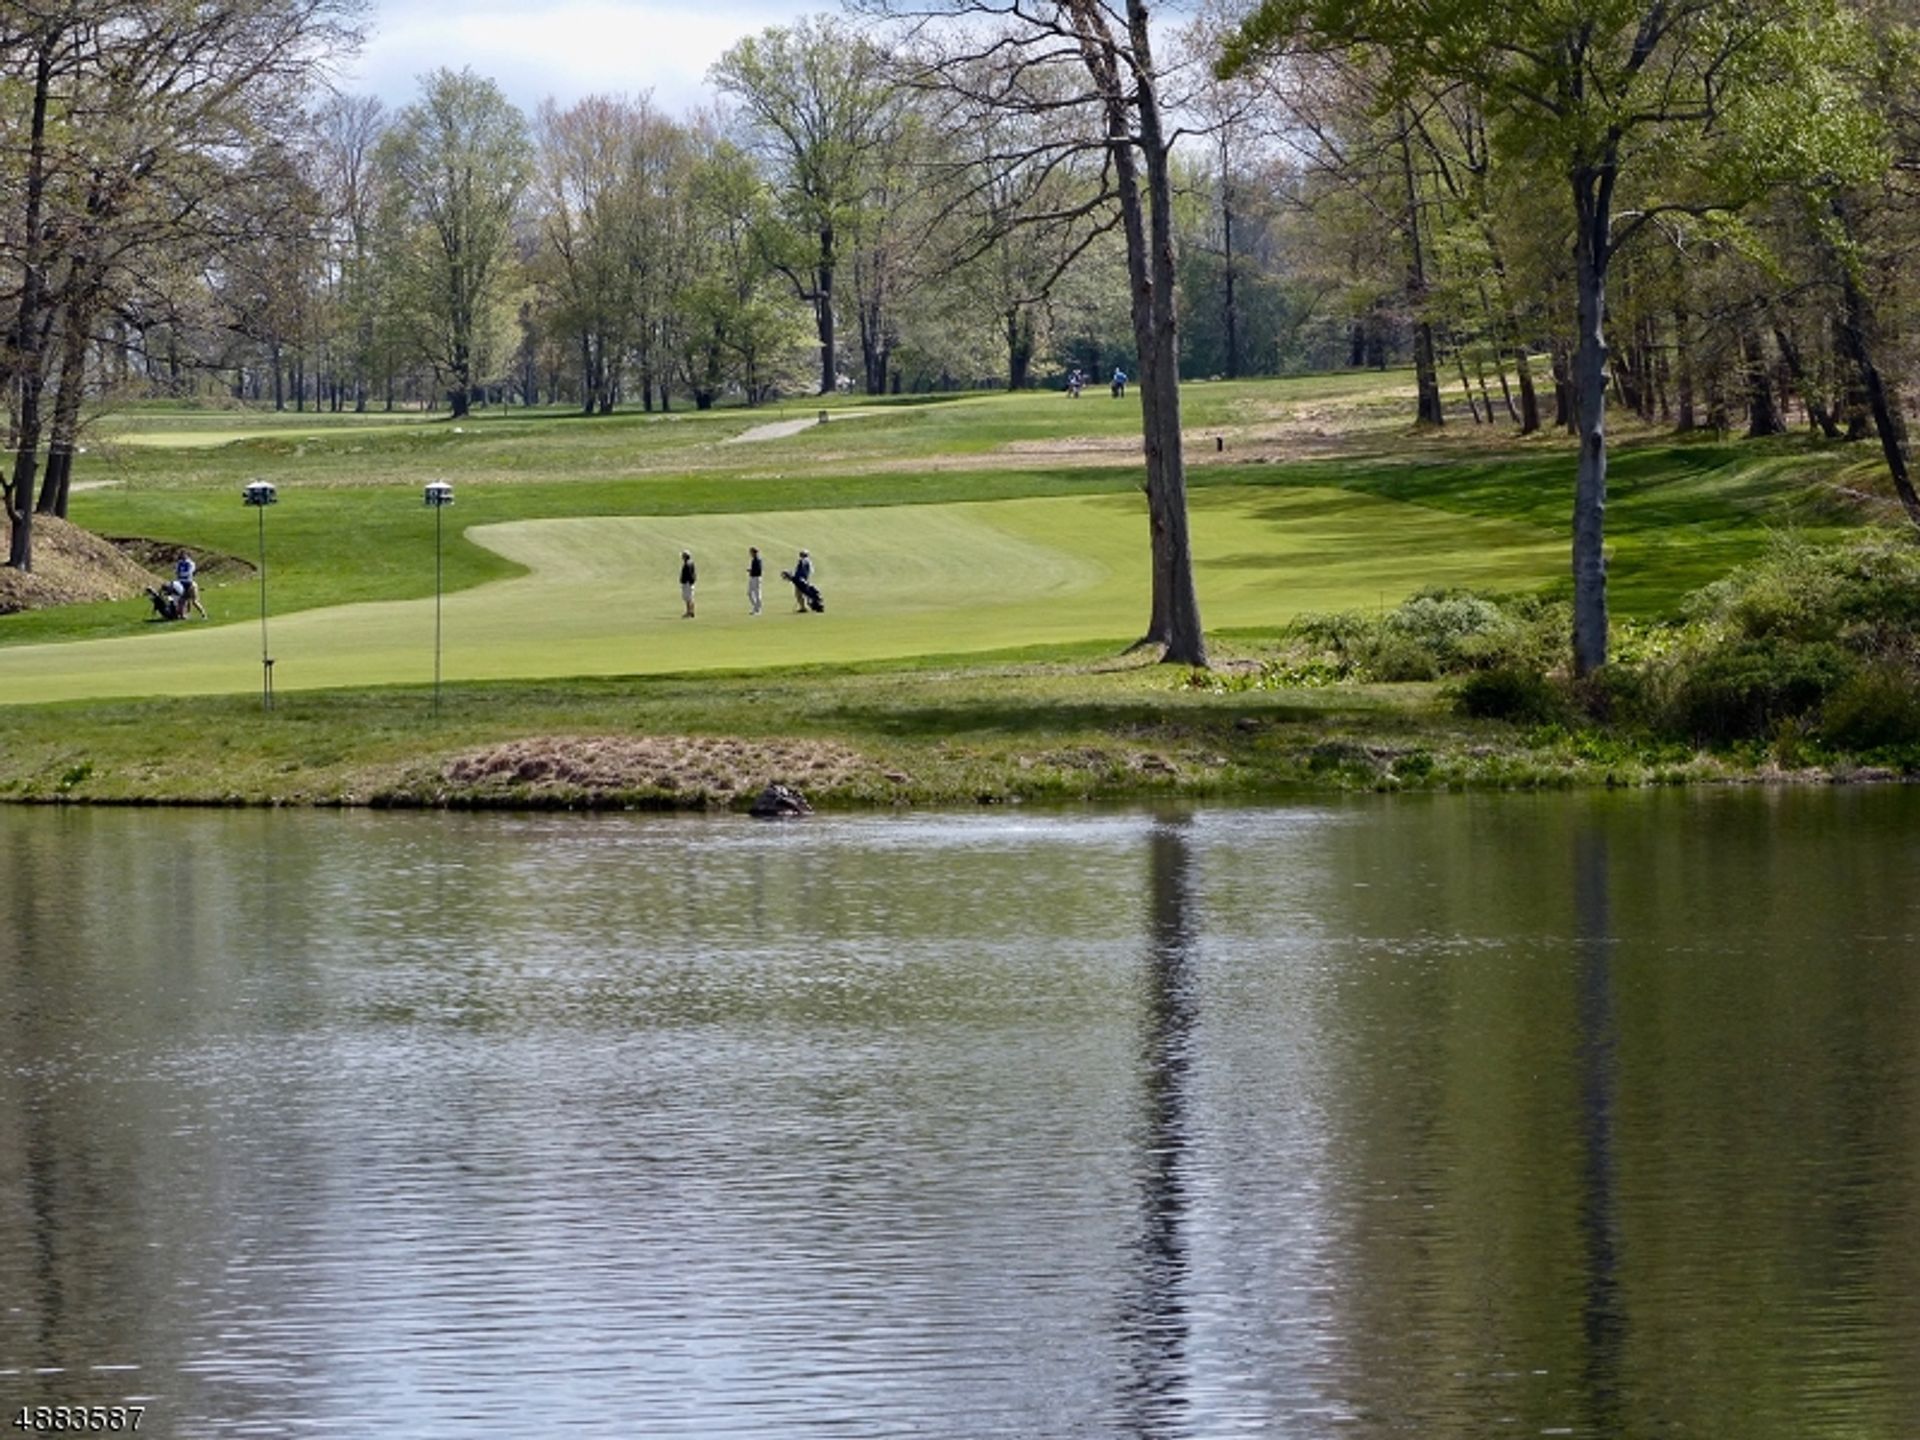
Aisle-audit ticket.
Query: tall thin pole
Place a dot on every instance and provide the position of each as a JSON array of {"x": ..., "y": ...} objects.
[
  {"x": 266, "y": 661},
  {"x": 438, "y": 496}
]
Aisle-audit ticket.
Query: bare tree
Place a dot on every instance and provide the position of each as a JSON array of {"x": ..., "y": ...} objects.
[
  {"x": 993, "y": 58},
  {"x": 141, "y": 114}
]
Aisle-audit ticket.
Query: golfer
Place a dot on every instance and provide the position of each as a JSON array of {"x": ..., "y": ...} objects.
[
  {"x": 686, "y": 582},
  {"x": 754, "y": 571},
  {"x": 802, "y": 575},
  {"x": 183, "y": 572}
]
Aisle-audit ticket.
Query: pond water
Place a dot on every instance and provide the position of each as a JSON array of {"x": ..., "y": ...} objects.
[{"x": 1436, "y": 1116}]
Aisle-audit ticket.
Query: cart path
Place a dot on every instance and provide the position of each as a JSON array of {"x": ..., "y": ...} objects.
[{"x": 781, "y": 429}]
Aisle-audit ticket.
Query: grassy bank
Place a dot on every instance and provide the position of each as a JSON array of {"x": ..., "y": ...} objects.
[
  {"x": 1003, "y": 535},
  {"x": 1007, "y": 729}
]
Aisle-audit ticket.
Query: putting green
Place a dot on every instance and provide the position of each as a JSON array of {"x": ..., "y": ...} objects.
[{"x": 601, "y": 596}]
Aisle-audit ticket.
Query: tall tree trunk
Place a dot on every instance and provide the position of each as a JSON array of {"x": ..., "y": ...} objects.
[
  {"x": 1019, "y": 325},
  {"x": 1230, "y": 307},
  {"x": 1653, "y": 371},
  {"x": 1565, "y": 412},
  {"x": 1593, "y": 209},
  {"x": 27, "y": 369},
  {"x": 1486, "y": 396},
  {"x": 1174, "y": 621},
  {"x": 1763, "y": 415},
  {"x": 1718, "y": 419},
  {"x": 1529, "y": 400},
  {"x": 1817, "y": 412},
  {"x": 57, "y": 486},
  {"x": 1683, "y": 361},
  {"x": 1859, "y": 332},
  {"x": 1466, "y": 386},
  {"x": 1160, "y": 380},
  {"x": 1643, "y": 367},
  {"x": 1428, "y": 409},
  {"x": 823, "y": 312},
  {"x": 1377, "y": 343},
  {"x": 460, "y": 393},
  {"x": 1853, "y": 390}
]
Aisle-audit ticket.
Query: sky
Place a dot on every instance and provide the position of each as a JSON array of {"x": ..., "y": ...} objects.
[{"x": 566, "y": 49}]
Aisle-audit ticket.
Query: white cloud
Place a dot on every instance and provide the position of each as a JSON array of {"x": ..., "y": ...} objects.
[{"x": 565, "y": 49}]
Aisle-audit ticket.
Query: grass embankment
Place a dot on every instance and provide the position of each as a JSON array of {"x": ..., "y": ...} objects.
[
  {"x": 961, "y": 529},
  {"x": 1000, "y": 730}
]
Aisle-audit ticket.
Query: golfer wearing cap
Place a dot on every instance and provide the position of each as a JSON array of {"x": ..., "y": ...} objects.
[
  {"x": 754, "y": 571},
  {"x": 686, "y": 582},
  {"x": 802, "y": 575}
]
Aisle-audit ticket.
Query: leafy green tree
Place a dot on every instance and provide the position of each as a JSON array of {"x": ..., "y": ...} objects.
[
  {"x": 1606, "y": 92},
  {"x": 454, "y": 166},
  {"x": 735, "y": 325},
  {"x": 820, "y": 111}
]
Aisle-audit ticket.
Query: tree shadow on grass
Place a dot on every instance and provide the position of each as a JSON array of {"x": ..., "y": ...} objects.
[
  {"x": 1651, "y": 487},
  {"x": 1124, "y": 719}
]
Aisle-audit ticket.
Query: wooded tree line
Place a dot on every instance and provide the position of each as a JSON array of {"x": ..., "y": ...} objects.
[{"x": 1697, "y": 211}]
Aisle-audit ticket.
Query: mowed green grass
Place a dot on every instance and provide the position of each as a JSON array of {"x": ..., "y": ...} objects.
[
  {"x": 600, "y": 596},
  {"x": 943, "y": 525}
]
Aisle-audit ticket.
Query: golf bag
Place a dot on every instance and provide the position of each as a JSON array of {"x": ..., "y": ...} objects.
[
  {"x": 807, "y": 591},
  {"x": 169, "y": 601}
]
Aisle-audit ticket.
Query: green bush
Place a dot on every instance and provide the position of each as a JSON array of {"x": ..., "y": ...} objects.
[
  {"x": 1434, "y": 633},
  {"x": 1744, "y": 690},
  {"x": 1875, "y": 709},
  {"x": 1507, "y": 693},
  {"x": 1864, "y": 594},
  {"x": 1617, "y": 694},
  {"x": 1394, "y": 657},
  {"x": 1449, "y": 625}
]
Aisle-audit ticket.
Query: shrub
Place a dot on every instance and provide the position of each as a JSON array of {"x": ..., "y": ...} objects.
[
  {"x": 1743, "y": 690},
  {"x": 1394, "y": 657},
  {"x": 1507, "y": 693},
  {"x": 1872, "y": 710},
  {"x": 1616, "y": 694},
  {"x": 1865, "y": 594},
  {"x": 1446, "y": 624},
  {"x": 1436, "y": 632},
  {"x": 1326, "y": 640}
]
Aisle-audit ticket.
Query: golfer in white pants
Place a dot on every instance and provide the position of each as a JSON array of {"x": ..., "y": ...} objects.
[{"x": 754, "y": 570}]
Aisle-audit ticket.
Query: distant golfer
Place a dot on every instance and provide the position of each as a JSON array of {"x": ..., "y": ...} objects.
[
  {"x": 802, "y": 581},
  {"x": 183, "y": 573},
  {"x": 1119, "y": 382},
  {"x": 754, "y": 571},
  {"x": 686, "y": 582}
]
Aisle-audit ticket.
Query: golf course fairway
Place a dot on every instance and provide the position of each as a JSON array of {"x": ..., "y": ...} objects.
[{"x": 600, "y": 595}]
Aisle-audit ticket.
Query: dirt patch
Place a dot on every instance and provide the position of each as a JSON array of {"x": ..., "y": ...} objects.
[
  {"x": 1090, "y": 445},
  {"x": 159, "y": 556},
  {"x": 72, "y": 566},
  {"x": 594, "y": 767}
]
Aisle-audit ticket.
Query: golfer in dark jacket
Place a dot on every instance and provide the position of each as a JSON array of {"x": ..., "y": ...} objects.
[
  {"x": 754, "y": 571},
  {"x": 686, "y": 582},
  {"x": 802, "y": 575}
]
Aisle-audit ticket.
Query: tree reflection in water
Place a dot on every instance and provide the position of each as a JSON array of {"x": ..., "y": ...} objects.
[
  {"x": 1602, "y": 1317},
  {"x": 1154, "y": 1320}
]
